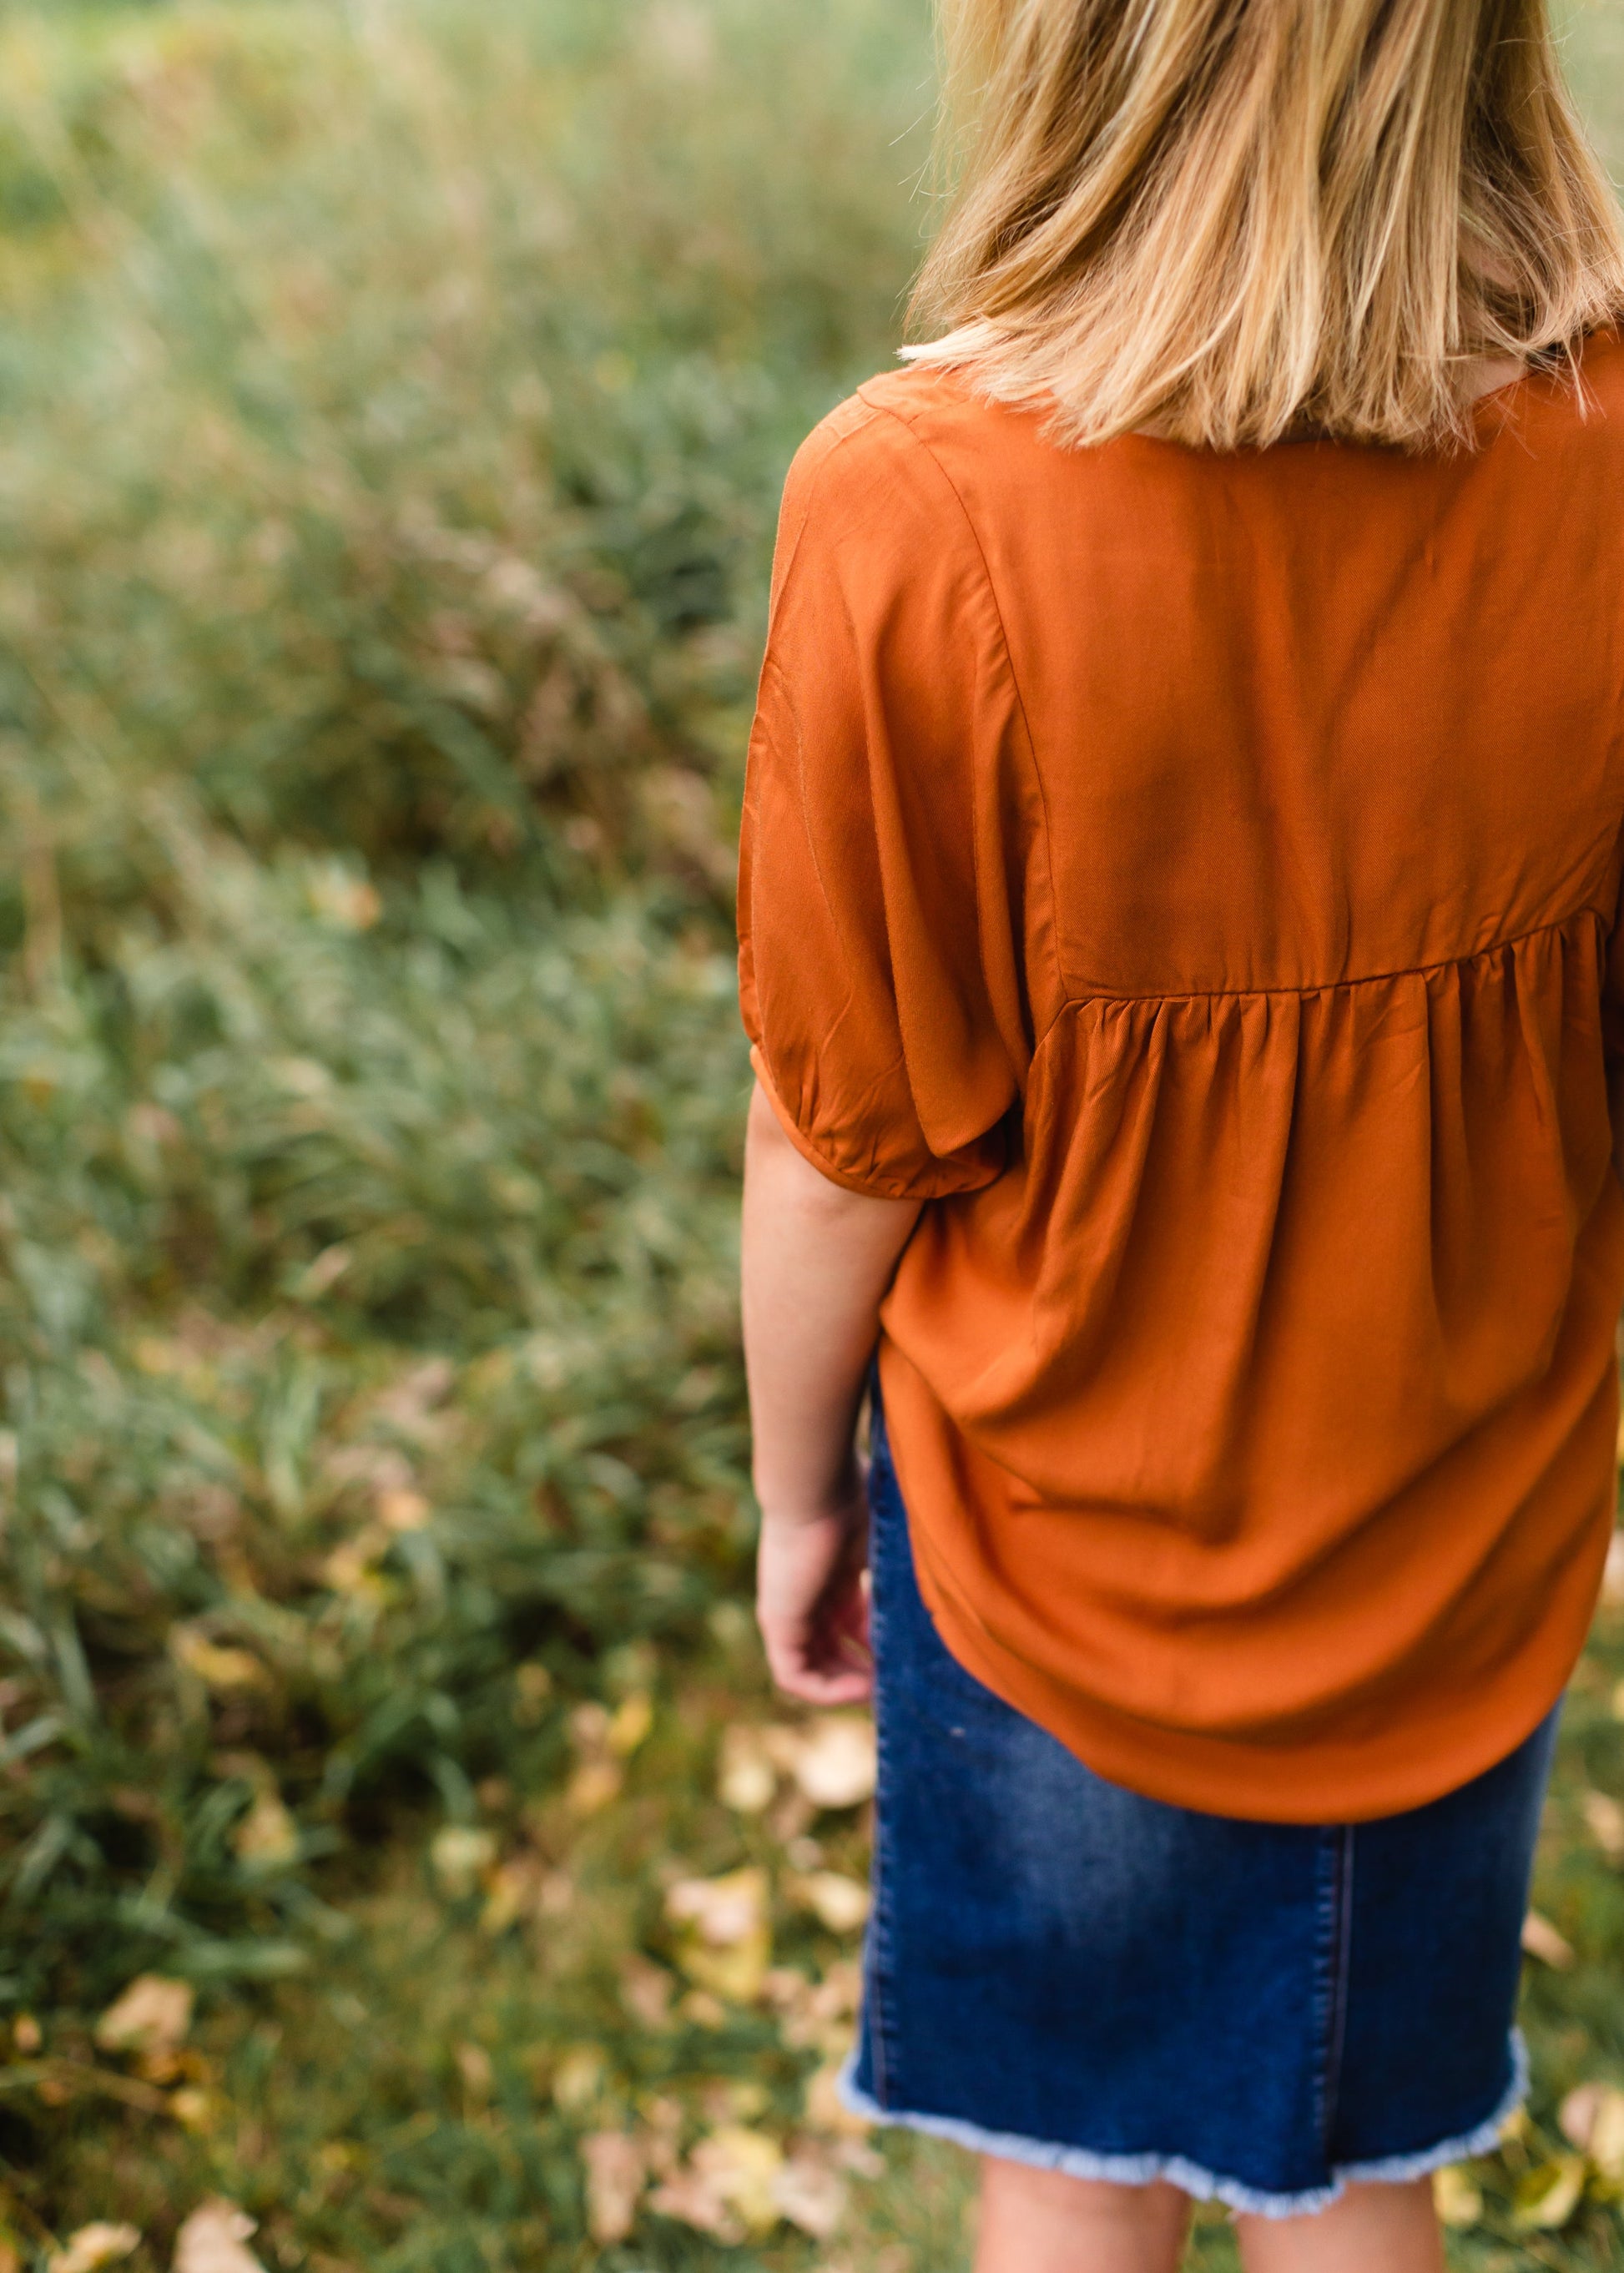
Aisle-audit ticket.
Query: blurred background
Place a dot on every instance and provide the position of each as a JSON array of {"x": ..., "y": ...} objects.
[{"x": 402, "y": 1863}]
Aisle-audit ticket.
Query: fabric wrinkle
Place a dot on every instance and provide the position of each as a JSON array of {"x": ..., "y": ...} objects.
[{"x": 1182, "y": 902}]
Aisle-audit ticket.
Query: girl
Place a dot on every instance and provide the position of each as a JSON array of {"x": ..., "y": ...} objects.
[{"x": 1179, "y": 914}]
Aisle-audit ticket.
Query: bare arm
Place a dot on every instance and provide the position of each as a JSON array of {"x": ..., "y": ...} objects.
[{"x": 818, "y": 1261}]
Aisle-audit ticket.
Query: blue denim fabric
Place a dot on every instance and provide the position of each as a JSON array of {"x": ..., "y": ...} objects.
[{"x": 1065, "y": 1973}]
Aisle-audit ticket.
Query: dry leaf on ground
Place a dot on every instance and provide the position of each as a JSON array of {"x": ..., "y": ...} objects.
[
  {"x": 1547, "y": 2196},
  {"x": 1456, "y": 2196},
  {"x": 1612, "y": 1577},
  {"x": 816, "y": 2015},
  {"x": 212, "y": 2240},
  {"x": 837, "y": 1902},
  {"x": 578, "y": 2078},
  {"x": 1541, "y": 1939},
  {"x": 723, "y": 1910},
  {"x": 598, "y": 1774},
  {"x": 616, "y": 2166},
  {"x": 728, "y": 2186},
  {"x": 1605, "y": 1818},
  {"x": 811, "y": 2192},
  {"x": 630, "y": 1724},
  {"x": 1592, "y": 2120},
  {"x": 403, "y": 1509},
  {"x": 152, "y": 2015},
  {"x": 825, "y": 2111},
  {"x": 514, "y": 1890},
  {"x": 726, "y": 1942},
  {"x": 94, "y": 2247},
  {"x": 267, "y": 1835},
  {"x": 216, "y": 1668},
  {"x": 458, "y": 1856},
  {"x": 834, "y": 1760},
  {"x": 747, "y": 1777},
  {"x": 689, "y": 2198},
  {"x": 646, "y": 1992}
]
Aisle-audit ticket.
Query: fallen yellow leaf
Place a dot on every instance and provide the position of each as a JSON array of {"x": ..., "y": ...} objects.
[
  {"x": 689, "y": 2198},
  {"x": 646, "y": 1992},
  {"x": 834, "y": 1760},
  {"x": 1606, "y": 2140},
  {"x": 728, "y": 1945},
  {"x": 1613, "y": 1575},
  {"x": 152, "y": 2015},
  {"x": 825, "y": 2111},
  {"x": 1541, "y": 1939},
  {"x": 615, "y": 2171},
  {"x": 1592, "y": 2120},
  {"x": 1605, "y": 1820},
  {"x": 267, "y": 1835},
  {"x": 594, "y": 1784},
  {"x": 578, "y": 2078},
  {"x": 458, "y": 1856},
  {"x": 747, "y": 1778},
  {"x": 94, "y": 2247},
  {"x": 809, "y": 2193},
  {"x": 1547, "y": 2196},
  {"x": 400, "y": 1510},
  {"x": 837, "y": 1902},
  {"x": 214, "y": 1667},
  {"x": 632, "y": 1719},
  {"x": 724, "y": 1910},
  {"x": 1456, "y": 2196},
  {"x": 514, "y": 1890},
  {"x": 743, "y": 2166},
  {"x": 194, "y": 2109},
  {"x": 213, "y": 2240}
]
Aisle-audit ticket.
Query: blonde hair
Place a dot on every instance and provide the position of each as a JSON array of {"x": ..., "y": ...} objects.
[{"x": 1240, "y": 220}]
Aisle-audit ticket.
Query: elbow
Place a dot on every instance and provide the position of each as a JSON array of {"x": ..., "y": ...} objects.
[{"x": 773, "y": 1155}]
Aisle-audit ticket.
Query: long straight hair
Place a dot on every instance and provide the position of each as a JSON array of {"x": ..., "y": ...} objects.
[{"x": 1237, "y": 220}]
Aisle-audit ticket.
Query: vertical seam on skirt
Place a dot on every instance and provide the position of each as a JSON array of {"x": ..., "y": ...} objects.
[
  {"x": 1324, "y": 1976},
  {"x": 876, "y": 1941},
  {"x": 1336, "y": 2018}
]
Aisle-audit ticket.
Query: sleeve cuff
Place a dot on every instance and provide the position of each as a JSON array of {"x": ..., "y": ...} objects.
[{"x": 944, "y": 1185}]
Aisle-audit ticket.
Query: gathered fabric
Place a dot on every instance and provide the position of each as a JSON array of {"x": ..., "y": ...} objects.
[{"x": 1196, "y": 878}]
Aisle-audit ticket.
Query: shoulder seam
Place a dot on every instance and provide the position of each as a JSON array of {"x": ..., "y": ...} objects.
[
  {"x": 831, "y": 450},
  {"x": 919, "y": 441}
]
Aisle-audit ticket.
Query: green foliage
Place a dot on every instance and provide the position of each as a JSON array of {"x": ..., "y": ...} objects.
[
  {"x": 386, "y": 477},
  {"x": 393, "y": 397}
]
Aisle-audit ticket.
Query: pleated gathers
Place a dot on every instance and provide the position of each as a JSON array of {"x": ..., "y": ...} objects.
[{"x": 1240, "y": 1280}]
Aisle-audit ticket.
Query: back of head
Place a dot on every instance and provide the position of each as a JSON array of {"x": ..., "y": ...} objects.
[{"x": 1240, "y": 220}]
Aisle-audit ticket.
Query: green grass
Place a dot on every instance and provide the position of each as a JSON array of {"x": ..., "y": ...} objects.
[{"x": 393, "y": 401}]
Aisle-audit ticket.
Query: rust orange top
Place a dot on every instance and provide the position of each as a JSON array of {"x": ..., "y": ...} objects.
[{"x": 1197, "y": 877}]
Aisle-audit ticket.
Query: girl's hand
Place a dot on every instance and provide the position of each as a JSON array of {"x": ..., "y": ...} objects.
[{"x": 811, "y": 1600}]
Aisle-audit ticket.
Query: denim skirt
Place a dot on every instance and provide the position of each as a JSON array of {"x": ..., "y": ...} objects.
[{"x": 1064, "y": 1973}]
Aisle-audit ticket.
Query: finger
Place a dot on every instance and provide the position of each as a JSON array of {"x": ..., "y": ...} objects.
[
  {"x": 812, "y": 1674},
  {"x": 854, "y": 1688}
]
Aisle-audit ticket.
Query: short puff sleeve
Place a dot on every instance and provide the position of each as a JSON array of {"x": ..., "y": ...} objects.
[{"x": 880, "y": 976}]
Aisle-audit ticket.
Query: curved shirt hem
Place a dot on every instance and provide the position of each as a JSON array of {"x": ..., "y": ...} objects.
[{"x": 1421, "y": 1759}]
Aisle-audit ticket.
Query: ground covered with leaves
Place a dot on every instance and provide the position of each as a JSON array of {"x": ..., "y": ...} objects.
[{"x": 401, "y": 1862}]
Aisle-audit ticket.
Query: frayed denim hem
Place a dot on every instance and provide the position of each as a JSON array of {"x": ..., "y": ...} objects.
[{"x": 1190, "y": 2177}]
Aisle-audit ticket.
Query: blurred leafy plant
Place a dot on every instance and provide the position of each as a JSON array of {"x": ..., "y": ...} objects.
[{"x": 389, "y": 440}]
